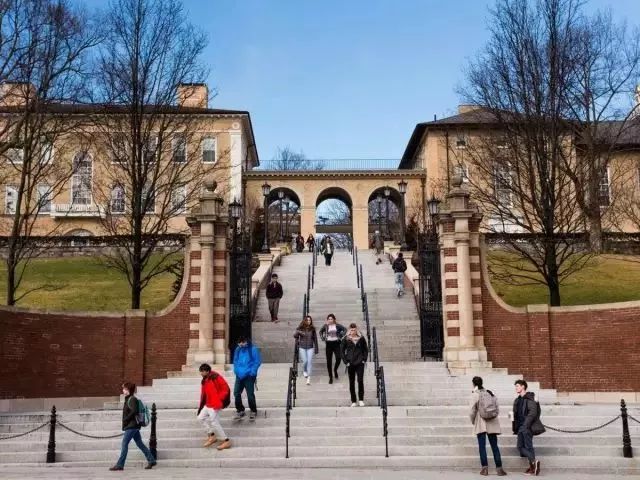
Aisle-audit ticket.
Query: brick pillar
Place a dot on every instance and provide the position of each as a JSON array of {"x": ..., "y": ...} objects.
[
  {"x": 459, "y": 225},
  {"x": 220, "y": 292}
]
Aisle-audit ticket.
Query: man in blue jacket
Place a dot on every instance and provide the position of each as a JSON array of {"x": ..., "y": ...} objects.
[{"x": 246, "y": 362}]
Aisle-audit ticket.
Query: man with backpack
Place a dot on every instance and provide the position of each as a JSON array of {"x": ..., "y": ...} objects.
[
  {"x": 526, "y": 424},
  {"x": 246, "y": 362},
  {"x": 274, "y": 294},
  {"x": 484, "y": 417},
  {"x": 214, "y": 397},
  {"x": 399, "y": 267}
]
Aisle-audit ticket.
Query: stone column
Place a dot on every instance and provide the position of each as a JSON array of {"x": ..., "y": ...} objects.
[
  {"x": 360, "y": 222},
  {"x": 459, "y": 225},
  {"x": 307, "y": 221}
]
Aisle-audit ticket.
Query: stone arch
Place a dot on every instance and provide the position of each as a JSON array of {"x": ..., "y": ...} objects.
[
  {"x": 79, "y": 232},
  {"x": 334, "y": 193},
  {"x": 384, "y": 217},
  {"x": 288, "y": 192}
]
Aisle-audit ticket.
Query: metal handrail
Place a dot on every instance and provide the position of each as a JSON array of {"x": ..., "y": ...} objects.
[
  {"x": 292, "y": 395},
  {"x": 383, "y": 406},
  {"x": 361, "y": 282}
]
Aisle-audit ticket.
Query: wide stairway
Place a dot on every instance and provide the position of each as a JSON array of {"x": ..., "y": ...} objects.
[{"x": 428, "y": 408}]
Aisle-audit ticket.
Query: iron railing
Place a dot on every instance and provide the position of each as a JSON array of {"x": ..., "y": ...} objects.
[
  {"x": 381, "y": 390},
  {"x": 312, "y": 165},
  {"x": 292, "y": 395}
]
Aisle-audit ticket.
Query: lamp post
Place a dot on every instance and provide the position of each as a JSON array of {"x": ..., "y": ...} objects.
[
  {"x": 402, "y": 187},
  {"x": 287, "y": 221},
  {"x": 281, "y": 196},
  {"x": 433, "y": 204},
  {"x": 266, "y": 190},
  {"x": 387, "y": 193},
  {"x": 235, "y": 211},
  {"x": 379, "y": 200}
]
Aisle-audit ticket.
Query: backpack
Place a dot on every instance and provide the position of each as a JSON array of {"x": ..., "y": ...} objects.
[
  {"x": 143, "y": 417},
  {"x": 488, "y": 408},
  {"x": 226, "y": 400},
  {"x": 537, "y": 427}
]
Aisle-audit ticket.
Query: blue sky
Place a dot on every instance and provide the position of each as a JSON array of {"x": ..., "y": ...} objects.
[{"x": 343, "y": 78}]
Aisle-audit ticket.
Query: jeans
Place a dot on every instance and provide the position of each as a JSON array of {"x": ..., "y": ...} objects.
[
  {"x": 399, "y": 278},
  {"x": 133, "y": 434},
  {"x": 525, "y": 444},
  {"x": 274, "y": 304},
  {"x": 353, "y": 371},
  {"x": 248, "y": 384},
  {"x": 327, "y": 258},
  {"x": 306, "y": 357},
  {"x": 333, "y": 349},
  {"x": 482, "y": 445},
  {"x": 210, "y": 419}
]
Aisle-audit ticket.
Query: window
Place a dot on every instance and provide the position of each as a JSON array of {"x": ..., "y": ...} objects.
[
  {"x": 209, "y": 150},
  {"x": 15, "y": 155},
  {"x": 46, "y": 152},
  {"x": 179, "y": 199},
  {"x": 503, "y": 179},
  {"x": 461, "y": 141},
  {"x": 502, "y": 225},
  {"x": 179, "y": 149},
  {"x": 10, "y": 199},
  {"x": 82, "y": 179},
  {"x": 117, "y": 199},
  {"x": 501, "y": 142},
  {"x": 150, "y": 150},
  {"x": 44, "y": 198},
  {"x": 604, "y": 191},
  {"x": 148, "y": 199},
  {"x": 119, "y": 148},
  {"x": 462, "y": 171}
]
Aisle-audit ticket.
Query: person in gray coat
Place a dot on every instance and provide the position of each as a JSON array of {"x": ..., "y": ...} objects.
[{"x": 485, "y": 427}]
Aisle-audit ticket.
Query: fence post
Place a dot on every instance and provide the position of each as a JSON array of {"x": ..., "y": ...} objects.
[
  {"x": 361, "y": 282},
  {"x": 51, "y": 446},
  {"x": 304, "y": 306},
  {"x": 627, "y": 451},
  {"x": 153, "y": 440},
  {"x": 313, "y": 273},
  {"x": 308, "y": 282}
]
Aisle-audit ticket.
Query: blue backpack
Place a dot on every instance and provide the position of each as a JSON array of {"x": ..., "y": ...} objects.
[{"x": 143, "y": 417}]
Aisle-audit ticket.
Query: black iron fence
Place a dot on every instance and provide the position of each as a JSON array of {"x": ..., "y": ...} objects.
[{"x": 311, "y": 165}]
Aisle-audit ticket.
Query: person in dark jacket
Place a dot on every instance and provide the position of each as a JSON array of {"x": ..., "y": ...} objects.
[
  {"x": 300, "y": 243},
  {"x": 328, "y": 250},
  {"x": 307, "y": 345},
  {"x": 399, "y": 267},
  {"x": 354, "y": 352},
  {"x": 246, "y": 362},
  {"x": 311, "y": 242},
  {"x": 331, "y": 333},
  {"x": 274, "y": 294},
  {"x": 526, "y": 423},
  {"x": 131, "y": 428}
]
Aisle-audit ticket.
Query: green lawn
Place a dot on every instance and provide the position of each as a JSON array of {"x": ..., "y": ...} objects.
[
  {"x": 608, "y": 278},
  {"x": 84, "y": 283}
]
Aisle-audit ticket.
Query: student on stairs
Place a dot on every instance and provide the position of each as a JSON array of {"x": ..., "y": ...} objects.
[
  {"x": 526, "y": 424},
  {"x": 307, "y": 345},
  {"x": 246, "y": 362},
  {"x": 214, "y": 396},
  {"x": 486, "y": 423},
  {"x": 331, "y": 333},
  {"x": 399, "y": 267},
  {"x": 354, "y": 351},
  {"x": 274, "y": 294}
]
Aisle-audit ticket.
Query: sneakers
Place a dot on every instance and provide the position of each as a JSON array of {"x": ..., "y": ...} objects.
[
  {"x": 305, "y": 374},
  {"x": 252, "y": 416},
  {"x": 335, "y": 374},
  {"x": 530, "y": 471},
  {"x": 361, "y": 403},
  {"x": 238, "y": 416},
  {"x": 536, "y": 468},
  {"x": 224, "y": 445},
  {"x": 484, "y": 471},
  {"x": 210, "y": 441},
  {"x": 330, "y": 380},
  {"x": 116, "y": 468},
  {"x": 308, "y": 380},
  {"x": 500, "y": 472},
  {"x": 354, "y": 404},
  {"x": 149, "y": 465}
]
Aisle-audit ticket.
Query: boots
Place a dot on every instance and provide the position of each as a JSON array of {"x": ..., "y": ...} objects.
[
  {"x": 485, "y": 471},
  {"x": 500, "y": 472}
]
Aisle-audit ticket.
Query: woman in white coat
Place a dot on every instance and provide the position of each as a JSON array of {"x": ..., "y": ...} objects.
[{"x": 486, "y": 423}]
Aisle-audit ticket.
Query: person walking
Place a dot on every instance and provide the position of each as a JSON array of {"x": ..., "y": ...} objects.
[
  {"x": 246, "y": 362},
  {"x": 311, "y": 242},
  {"x": 214, "y": 396},
  {"x": 354, "y": 352},
  {"x": 399, "y": 267},
  {"x": 328, "y": 251},
  {"x": 526, "y": 424},
  {"x": 331, "y": 333},
  {"x": 131, "y": 428},
  {"x": 484, "y": 417},
  {"x": 307, "y": 345},
  {"x": 300, "y": 243},
  {"x": 379, "y": 246},
  {"x": 274, "y": 294}
]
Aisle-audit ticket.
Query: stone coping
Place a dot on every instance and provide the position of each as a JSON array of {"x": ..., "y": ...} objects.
[{"x": 23, "y": 405}]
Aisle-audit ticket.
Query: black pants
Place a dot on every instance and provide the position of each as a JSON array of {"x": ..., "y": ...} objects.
[
  {"x": 333, "y": 349},
  {"x": 359, "y": 371},
  {"x": 327, "y": 258}
]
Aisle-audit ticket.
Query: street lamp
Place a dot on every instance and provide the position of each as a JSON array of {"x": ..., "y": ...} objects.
[
  {"x": 266, "y": 190},
  {"x": 402, "y": 187},
  {"x": 281, "y": 196},
  {"x": 235, "y": 211},
  {"x": 433, "y": 205},
  {"x": 387, "y": 193},
  {"x": 379, "y": 200},
  {"x": 287, "y": 221}
]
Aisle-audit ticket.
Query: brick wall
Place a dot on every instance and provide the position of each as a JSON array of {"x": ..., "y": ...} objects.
[{"x": 593, "y": 348}]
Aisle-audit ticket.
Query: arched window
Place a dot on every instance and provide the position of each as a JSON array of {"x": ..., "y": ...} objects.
[{"x": 82, "y": 179}]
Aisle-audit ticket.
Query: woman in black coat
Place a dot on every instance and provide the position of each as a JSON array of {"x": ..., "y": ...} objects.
[{"x": 354, "y": 352}]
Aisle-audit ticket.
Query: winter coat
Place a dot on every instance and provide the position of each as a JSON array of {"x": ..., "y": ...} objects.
[
  {"x": 354, "y": 353},
  {"x": 129, "y": 412},
  {"x": 399, "y": 265},
  {"x": 213, "y": 390},
  {"x": 246, "y": 361},
  {"x": 529, "y": 415},
  {"x": 307, "y": 339},
  {"x": 327, "y": 249},
  {"x": 481, "y": 425},
  {"x": 274, "y": 291},
  {"x": 340, "y": 331}
]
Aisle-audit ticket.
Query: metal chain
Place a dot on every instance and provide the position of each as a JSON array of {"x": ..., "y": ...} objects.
[
  {"x": 25, "y": 433},
  {"x": 583, "y": 431},
  {"x": 634, "y": 419},
  {"x": 87, "y": 435}
]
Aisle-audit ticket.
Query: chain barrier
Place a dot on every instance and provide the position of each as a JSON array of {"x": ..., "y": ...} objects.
[
  {"x": 634, "y": 419},
  {"x": 25, "y": 433},
  {"x": 585, "y": 430},
  {"x": 99, "y": 437}
]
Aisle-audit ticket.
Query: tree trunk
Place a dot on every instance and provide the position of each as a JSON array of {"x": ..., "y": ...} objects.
[
  {"x": 553, "y": 281},
  {"x": 136, "y": 290},
  {"x": 594, "y": 223},
  {"x": 11, "y": 280}
]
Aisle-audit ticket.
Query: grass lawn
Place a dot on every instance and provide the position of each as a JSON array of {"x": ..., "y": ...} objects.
[
  {"x": 608, "y": 278},
  {"x": 84, "y": 284}
]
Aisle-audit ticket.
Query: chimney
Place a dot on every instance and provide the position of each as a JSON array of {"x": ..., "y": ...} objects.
[
  {"x": 15, "y": 94},
  {"x": 193, "y": 95},
  {"x": 467, "y": 107}
]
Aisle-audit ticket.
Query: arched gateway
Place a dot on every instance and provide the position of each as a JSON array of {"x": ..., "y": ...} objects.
[{"x": 362, "y": 190}]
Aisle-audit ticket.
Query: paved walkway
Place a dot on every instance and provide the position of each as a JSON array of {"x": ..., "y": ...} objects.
[{"x": 260, "y": 474}]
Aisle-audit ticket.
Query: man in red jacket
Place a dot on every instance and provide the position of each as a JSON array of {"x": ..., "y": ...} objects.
[{"x": 214, "y": 396}]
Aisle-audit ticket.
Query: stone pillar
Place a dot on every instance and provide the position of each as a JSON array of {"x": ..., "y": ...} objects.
[
  {"x": 459, "y": 228},
  {"x": 220, "y": 291},
  {"x": 360, "y": 222},
  {"x": 307, "y": 221}
]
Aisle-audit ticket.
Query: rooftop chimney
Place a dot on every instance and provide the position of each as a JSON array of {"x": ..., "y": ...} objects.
[
  {"x": 466, "y": 108},
  {"x": 193, "y": 95},
  {"x": 15, "y": 94}
]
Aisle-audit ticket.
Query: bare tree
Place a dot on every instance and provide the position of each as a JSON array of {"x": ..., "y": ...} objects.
[
  {"x": 153, "y": 171},
  {"x": 287, "y": 159},
  {"x": 47, "y": 43},
  {"x": 516, "y": 165}
]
